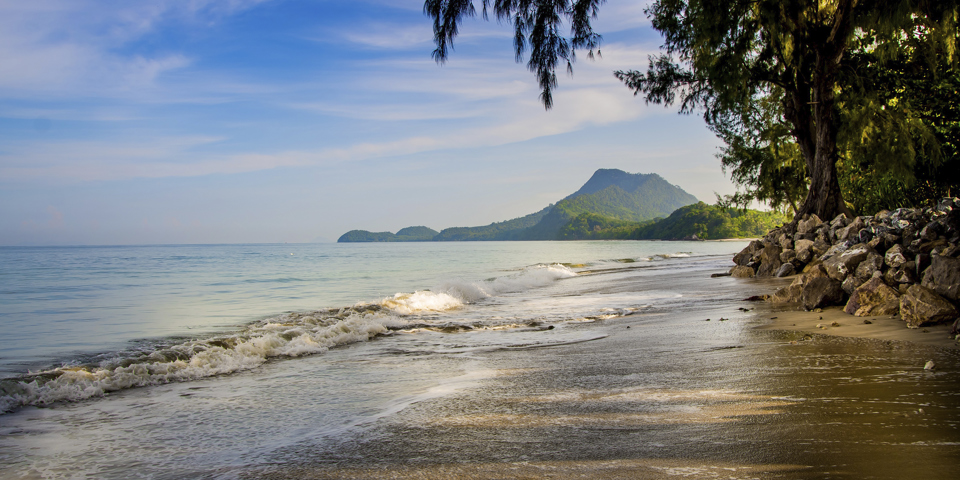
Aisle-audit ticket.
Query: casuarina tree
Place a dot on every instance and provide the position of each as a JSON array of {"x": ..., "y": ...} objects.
[{"x": 723, "y": 58}]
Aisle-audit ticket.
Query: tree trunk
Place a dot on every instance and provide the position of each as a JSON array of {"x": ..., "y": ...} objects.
[{"x": 824, "y": 198}]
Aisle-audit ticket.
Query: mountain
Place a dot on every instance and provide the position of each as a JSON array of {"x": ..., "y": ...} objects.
[
  {"x": 409, "y": 234},
  {"x": 610, "y": 196}
]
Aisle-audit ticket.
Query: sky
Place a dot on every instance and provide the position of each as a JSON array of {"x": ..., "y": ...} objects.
[{"x": 267, "y": 121}]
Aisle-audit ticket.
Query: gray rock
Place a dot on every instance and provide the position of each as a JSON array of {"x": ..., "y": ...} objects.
[
  {"x": 873, "y": 298},
  {"x": 786, "y": 270},
  {"x": 809, "y": 224},
  {"x": 872, "y": 264},
  {"x": 742, "y": 271},
  {"x": 921, "y": 307},
  {"x": 943, "y": 277},
  {"x": 804, "y": 250},
  {"x": 788, "y": 256},
  {"x": 851, "y": 230},
  {"x": 821, "y": 292},
  {"x": 769, "y": 261},
  {"x": 791, "y": 293},
  {"x": 840, "y": 265},
  {"x": 894, "y": 257}
]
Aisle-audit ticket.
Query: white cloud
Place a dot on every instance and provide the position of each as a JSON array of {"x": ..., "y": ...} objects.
[{"x": 66, "y": 48}]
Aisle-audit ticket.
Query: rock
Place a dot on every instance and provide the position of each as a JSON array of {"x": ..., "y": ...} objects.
[
  {"x": 788, "y": 256},
  {"x": 853, "y": 229},
  {"x": 785, "y": 241},
  {"x": 921, "y": 307},
  {"x": 804, "y": 250},
  {"x": 929, "y": 365},
  {"x": 786, "y": 270},
  {"x": 902, "y": 275},
  {"x": 850, "y": 284},
  {"x": 943, "y": 277},
  {"x": 840, "y": 265},
  {"x": 894, "y": 257},
  {"x": 745, "y": 255},
  {"x": 809, "y": 225},
  {"x": 821, "y": 292},
  {"x": 872, "y": 264},
  {"x": 840, "y": 221},
  {"x": 873, "y": 298},
  {"x": 742, "y": 271},
  {"x": 790, "y": 293},
  {"x": 769, "y": 261}
]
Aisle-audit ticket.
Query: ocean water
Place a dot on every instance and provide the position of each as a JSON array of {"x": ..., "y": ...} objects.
[{"x": 244, "y": 361}]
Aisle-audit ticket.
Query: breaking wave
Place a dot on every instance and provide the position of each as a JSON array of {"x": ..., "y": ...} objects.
[{"x": 288, "y": 335}]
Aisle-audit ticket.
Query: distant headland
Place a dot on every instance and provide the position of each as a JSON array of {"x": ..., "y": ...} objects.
[{"x": 613, "y": 204}]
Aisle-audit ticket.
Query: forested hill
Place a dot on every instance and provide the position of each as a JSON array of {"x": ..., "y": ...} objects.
[{"x": 610, "y": 195}]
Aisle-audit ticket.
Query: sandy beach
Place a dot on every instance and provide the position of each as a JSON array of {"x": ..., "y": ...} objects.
[{"x": 753, "y": 392}]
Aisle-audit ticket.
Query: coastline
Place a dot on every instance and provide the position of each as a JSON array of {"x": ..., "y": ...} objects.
[
  {"x": 700, "y": 391},
  {"x": 792, "y": 318}
]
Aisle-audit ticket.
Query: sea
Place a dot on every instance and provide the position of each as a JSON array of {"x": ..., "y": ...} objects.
[{"x": 305, "y": 360}]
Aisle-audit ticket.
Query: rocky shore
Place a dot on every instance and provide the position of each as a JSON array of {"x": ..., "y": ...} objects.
[{"x": 902, "y": 263}]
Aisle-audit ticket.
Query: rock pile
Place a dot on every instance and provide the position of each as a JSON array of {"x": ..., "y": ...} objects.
[{"x": 896, "y": 262}]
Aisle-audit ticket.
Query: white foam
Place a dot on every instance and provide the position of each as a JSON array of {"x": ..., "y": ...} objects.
[
  {"x": 284, "y": 336},
  {"x": 421, "y": 301},
  {"x": 530, "y": 277}
]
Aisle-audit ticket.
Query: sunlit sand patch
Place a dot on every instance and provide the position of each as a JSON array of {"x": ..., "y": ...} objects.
[
  {"x": 641, "y": 394},
  {"x": 686, "y": 414},
  {"x": 589, "y": 469}
]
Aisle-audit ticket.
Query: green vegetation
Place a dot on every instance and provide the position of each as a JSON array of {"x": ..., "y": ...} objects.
[
  {"x": 710, "y": 222},
  {"x": 508, "y": 230},
  {"x": 409, "y": 234},
  {"x": 613, "y": 204},
  {"x": 825, "y": 106},
  {"x": 706, "y": 222}
]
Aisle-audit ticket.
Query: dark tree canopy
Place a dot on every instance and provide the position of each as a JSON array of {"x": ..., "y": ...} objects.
[
  {"x": 538, "y": 26},
  {"x": 791, "y": 86}
]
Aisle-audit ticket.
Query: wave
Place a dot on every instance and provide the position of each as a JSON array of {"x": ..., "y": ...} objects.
[
  {"x": 456, "y": 293},
  {"x": 288, "y": 335}
]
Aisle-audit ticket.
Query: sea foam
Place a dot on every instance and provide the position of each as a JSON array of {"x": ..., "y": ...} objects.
[{"x": 288, "y": 335}]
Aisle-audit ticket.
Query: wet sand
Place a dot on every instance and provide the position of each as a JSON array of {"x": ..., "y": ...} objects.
[{"x": 671, "y": 394}]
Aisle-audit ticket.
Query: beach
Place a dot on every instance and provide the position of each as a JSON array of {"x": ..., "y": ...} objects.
[
  {"x": 609, "y": 364},
  {"x": 759, "y": 394}
]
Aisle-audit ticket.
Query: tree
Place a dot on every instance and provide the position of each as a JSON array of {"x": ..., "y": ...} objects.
[{"x": 726, "y": 57}]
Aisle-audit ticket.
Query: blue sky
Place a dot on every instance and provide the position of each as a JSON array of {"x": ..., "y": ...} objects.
[{"x": 234, "y": 121}]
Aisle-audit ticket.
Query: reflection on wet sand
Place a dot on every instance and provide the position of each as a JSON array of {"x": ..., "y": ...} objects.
[{"x": 589, "y": 470}]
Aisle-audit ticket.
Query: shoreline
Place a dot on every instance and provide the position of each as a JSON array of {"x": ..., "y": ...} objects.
[{"x": 791, "y": 317}]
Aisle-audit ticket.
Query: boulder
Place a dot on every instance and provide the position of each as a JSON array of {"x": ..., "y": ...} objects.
[
  {"x": 742, "y": 271},
  {"x": 788, "y": 256},
  {"x": 850, "y": 284},
  {"x": 921, "y": 307},
  {"x": 785, "y": 241},
  {"x": 943, "y": 277},
  {"x": 745, "y": 255},
  {"x": 804, "y": 250},
  {"x": 808, "y": 225},
  {"x": 902, "y": 275},
  {"x": 894, "y": 257},
  {"x": 791, "y": 293},
  {"x": 821, "y": 292},
  {"x": 840, "y": 265},
  {"x": 851, "y": 230},
  {"x": 872, "y": 264},
  {"x": 786, "y": 270},
  {"x": 769, "y": 261},
  {"x": 873, "y": 298}
]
